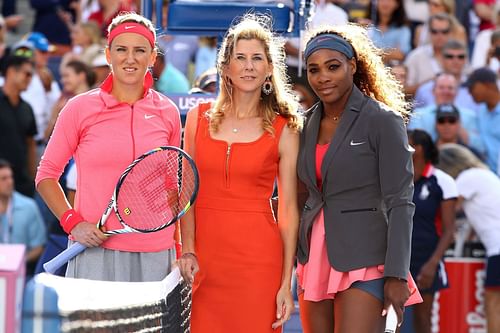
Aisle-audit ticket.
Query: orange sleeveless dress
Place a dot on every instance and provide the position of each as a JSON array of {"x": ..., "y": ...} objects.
[{"x": 238, "y": 243}]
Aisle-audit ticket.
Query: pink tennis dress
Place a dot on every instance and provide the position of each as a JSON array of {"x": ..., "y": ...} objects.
[{"x": 318, "y": 278}]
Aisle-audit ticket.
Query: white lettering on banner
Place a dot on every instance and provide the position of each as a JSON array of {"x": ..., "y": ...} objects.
[
  {"x": 435, "y": 314},
  {"x": 477, "y": 320},
  {"x": 186, "y": 103}
]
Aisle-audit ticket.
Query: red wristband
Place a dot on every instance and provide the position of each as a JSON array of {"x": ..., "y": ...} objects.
[{"x": 69, "y": 220}]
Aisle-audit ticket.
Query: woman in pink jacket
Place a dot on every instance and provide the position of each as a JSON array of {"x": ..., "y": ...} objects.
[{"x": 104, "y": 130}]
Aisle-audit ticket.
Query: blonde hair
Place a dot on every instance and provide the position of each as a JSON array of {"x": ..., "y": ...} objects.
[
  {"x": 455, "y": 158},
  {"x": 91, "y": 29},
  {"x": 131, "y": 17},
  {"x": 281, "y": 101},
  {"x": 372, "y": 77}
]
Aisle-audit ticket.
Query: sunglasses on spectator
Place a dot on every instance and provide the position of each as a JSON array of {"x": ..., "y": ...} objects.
[
  {"x": 449, "y": 120},
  {"x": 457, "y": 56},
  {"x": 438, "y": 31},
  {"x": 27, "y": 53}
]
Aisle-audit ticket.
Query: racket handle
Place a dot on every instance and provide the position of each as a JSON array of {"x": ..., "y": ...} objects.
[
  {"x": 57, "y": 262},
  {"x": 391, "y": 320}
]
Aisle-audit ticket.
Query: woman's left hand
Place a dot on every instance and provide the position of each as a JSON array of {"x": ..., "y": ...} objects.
[
  {"x": 284, "y": 306},
  {"x": 396, "y": 292},
  {"x": 426, "y": 275}
]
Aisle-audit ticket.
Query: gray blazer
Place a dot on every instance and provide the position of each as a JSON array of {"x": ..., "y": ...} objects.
[{"x": 367, "y": 191}]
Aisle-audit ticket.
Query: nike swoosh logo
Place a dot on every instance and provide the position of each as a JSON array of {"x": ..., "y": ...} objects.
[
  {"x": 357, "y": 143},
  {"x": 129, "y": 27},
  {"x": 149, "y": 116}
]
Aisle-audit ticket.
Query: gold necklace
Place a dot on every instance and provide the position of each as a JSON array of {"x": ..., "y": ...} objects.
[{"x": 335, "y": 119}]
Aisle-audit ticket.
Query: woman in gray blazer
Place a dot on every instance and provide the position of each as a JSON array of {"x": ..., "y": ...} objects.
[{"x": 355, "y": 161}]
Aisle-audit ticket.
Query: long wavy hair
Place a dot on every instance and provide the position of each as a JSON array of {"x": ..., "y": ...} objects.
[
  {"x": 281, "y": 101},
  {"x": 372, "y": 77}
]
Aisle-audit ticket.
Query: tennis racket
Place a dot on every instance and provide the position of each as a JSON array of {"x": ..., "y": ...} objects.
[
  {"x": 391, "y": 320},
  {"x": 153, "y": 192}
]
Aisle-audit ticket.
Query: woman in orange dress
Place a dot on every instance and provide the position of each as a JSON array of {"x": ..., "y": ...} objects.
[{"x": 242, "y": 144}]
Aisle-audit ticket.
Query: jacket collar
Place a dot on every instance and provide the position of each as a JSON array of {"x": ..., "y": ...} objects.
[
  {"x": 107, "y": 87},
  {"x": 351, "y": 112}
]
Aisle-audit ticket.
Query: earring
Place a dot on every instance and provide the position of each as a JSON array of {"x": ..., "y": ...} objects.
[{"x": 267, "y": 87}]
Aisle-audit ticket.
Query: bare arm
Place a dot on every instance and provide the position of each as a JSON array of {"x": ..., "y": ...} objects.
[
  {"x": 34, "y": 254},
  {"x": 428, "y": 270},
  {"x": 53, "y": 195},
  {"x": 31, "y": 145},
  {"x": 288, "y": 218},
  {"x": 188, "y": 263},
  {"x": 393, "y": 54},
  {"x": 288, "y": 213}
]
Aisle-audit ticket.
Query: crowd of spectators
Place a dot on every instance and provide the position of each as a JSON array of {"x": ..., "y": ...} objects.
[{"x": 445, "y": 53}]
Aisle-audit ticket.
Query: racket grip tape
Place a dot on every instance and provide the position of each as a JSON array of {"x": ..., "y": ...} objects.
[
  {"x": 53, "y": 265},
  {"x": 391, "y": 320}
]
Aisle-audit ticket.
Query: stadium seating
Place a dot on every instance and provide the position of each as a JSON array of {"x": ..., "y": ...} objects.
[{"x": 213, "y": 17}]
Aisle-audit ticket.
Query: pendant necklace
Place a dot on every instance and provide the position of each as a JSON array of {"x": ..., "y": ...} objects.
[
  {"x": 334, "y": 118},
  {"x": 234, "y": 128}
]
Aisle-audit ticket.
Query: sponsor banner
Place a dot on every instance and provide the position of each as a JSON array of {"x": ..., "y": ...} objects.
[
  {"x": 185, "y": 102},
  {"x": 460, "y": 308}
]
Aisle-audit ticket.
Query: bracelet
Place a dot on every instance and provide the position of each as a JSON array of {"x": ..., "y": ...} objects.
[
  {"x": 189, "y": 253},
  {"x": 69, "y": 220}
]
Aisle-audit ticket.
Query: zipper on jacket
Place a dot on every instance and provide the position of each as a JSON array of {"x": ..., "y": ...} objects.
[
  {"x": 226, "y": 172},
  {"x": 132, "y": 131},
  {"x": 359, "y": 210}
]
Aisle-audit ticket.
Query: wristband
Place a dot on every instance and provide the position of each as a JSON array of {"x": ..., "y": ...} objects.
[{"x": 69, "y": 220}]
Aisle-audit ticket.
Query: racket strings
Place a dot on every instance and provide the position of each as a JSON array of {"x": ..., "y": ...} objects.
[
  {"x": 152, "y": 188},
  {"x": 156, "y": 190}
]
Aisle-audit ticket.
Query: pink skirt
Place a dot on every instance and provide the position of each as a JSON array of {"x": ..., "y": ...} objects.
[{"x": 321, "y": 281}]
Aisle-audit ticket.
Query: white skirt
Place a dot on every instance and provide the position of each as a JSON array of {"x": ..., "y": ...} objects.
[{"x": 97, "y": 263}]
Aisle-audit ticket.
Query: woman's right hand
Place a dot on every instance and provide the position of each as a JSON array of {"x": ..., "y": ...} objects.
[
  {"x": 188, "y": 265},
  {"x": 88, "y": 234}
]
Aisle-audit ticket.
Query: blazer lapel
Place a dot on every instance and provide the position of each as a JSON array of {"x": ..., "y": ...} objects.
[
  {"x": 351, "y": 112},
  {"x": 311, "y": 139}
]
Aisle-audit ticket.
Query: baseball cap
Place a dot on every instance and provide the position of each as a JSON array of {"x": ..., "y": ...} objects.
[
  {"x": 206, "y": 78},
  {"x": 23, "y": 48},
  {"x": 40, "y": 42},
  {"x": 447, "y": 111},
  {"x": 203, "y": 82},
  {"x": 483, "y": 75}
]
